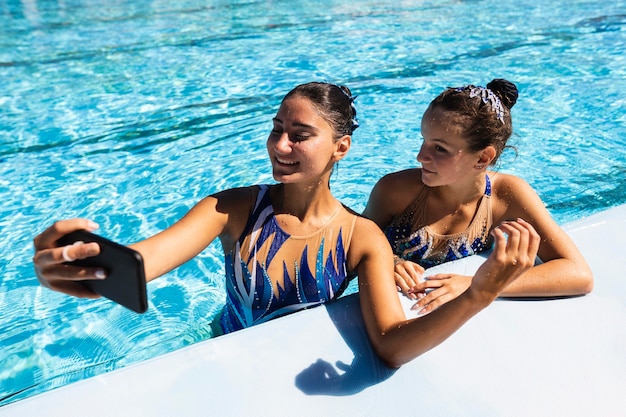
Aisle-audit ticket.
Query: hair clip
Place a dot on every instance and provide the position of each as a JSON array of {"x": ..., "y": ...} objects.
[
  {"x": 355, "y": 122},
  {"x": 487, "y": 96}
]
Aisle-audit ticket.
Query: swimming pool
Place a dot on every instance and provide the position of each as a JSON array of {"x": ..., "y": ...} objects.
[{"x": 129, "y": 112}]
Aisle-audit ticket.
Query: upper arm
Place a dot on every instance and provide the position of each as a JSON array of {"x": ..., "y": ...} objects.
[
  {"x": 520, "y": 200},
  {"x": 378, "y": 295},
  {"x": 220, "y": 214}
]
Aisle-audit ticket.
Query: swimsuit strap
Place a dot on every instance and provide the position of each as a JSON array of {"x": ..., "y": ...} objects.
[{"x": 260, "y": 205}]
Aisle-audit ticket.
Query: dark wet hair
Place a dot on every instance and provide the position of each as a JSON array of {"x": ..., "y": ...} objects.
[
  {"x": 483, "y": 113},
  {"x": 333, "y": 102}
]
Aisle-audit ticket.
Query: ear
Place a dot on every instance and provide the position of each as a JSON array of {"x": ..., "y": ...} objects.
[
  {"x": 486, "y": 156},
  {"x": 342, "y": 146}
]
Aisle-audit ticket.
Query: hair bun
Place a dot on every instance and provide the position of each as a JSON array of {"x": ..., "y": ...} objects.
[{"x": 506, "y": 90}]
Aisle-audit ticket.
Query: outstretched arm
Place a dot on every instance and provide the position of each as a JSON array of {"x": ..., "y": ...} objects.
[
  {"x": 218, "y": 215},
  {"x": 398, "y": 340}
]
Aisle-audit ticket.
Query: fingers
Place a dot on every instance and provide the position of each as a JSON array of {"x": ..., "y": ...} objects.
[
  {"x": 51, "y": 262},
  {"x": 516, "y": 242},
  {"x": 516, "y": 245},
  {"x": 69, "y": 253},
  {"x": 427, "y": 283},
  {"x": 534, "y": 240},
  {"x": 444, "y": 288},
  {"x": 72, "y": 288},
  {"x": 427, "y": 304},
  {"x": 48, "y": 237},
  {"x": 407, "y": 275}
]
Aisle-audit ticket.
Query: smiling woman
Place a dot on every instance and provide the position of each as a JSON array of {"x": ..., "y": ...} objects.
[
  {"x": 272, "y": 236},
  {"x": 299, "y": 138}
]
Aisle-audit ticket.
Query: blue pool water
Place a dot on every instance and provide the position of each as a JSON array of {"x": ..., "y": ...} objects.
[{"x": 129, "y": 112}]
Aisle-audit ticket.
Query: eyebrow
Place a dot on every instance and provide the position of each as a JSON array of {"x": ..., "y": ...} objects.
[{"x": 297, "y": 124}]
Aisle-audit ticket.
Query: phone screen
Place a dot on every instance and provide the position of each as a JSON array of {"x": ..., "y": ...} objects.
[{"x": 125, "y": 282}]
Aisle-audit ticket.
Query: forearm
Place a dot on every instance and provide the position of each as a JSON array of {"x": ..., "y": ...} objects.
[
  {"x": 161, "y": 256},
  {"x": 409, "y": 339},
  {"x": 558, "y": 277},
  {"x": 398, "y": 340}
]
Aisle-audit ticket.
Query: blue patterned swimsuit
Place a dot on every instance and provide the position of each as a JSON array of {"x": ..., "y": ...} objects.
[
  {"x": 270, "y": 273},
  {"x": 411, "y": 240}
]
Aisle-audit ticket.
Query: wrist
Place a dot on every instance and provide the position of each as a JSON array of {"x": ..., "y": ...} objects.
[{"x": 481, "y": 297}]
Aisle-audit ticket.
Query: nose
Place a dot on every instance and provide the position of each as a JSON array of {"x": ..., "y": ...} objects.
[
  {"x": 422, "y": 155},
  {"x": 283, "y": 144}
]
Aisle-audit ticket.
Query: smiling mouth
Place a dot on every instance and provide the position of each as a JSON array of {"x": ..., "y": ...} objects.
[{"x": 284, "y": 162}]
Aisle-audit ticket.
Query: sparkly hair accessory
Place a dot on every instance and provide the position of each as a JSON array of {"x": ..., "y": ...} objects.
[
  {"x": 355, "y": 122},
  {"x": 487, "y": 96}
]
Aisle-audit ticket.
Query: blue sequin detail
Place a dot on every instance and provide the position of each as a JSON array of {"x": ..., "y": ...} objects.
[
  {"x": 250, "y": 294},
  {"x": 418, "y": 246}
]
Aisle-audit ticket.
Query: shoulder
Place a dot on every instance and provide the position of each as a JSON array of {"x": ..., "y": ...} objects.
[
  {"x": 500, "y": 179},
  {"x": 235, "y": 198},
  {"x": 230, "y": 209},
  {"x": 236, "y": 203},
  {"x": 509, "y": 187},
  {"x": 367, "y": 240},
  {"x": 392, "y": 194},
  {"x": 514, "y": 197},
  {"x": 397, "y": 181}
]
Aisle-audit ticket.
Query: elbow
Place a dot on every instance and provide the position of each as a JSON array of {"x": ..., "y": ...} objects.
[
  {"x": 585, "y": 280},
  {"x": 390, "y": 354},
  {"x": 391, "y": 359},
  {"x": 393, "y": 364},
  {"x": 588, "y": 283}
]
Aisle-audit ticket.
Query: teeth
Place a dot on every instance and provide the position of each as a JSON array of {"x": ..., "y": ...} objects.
[{"x": 285, "y": 162}]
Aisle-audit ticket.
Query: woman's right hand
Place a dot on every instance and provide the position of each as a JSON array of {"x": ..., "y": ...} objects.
[
  {"x": 52, "y": 262},
  {"x": 514, "y": 253}
]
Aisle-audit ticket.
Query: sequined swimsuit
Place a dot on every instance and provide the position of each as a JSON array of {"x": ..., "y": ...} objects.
[
  {"x": 270, "y": 273},
  {"x": 412, "y": 241}
]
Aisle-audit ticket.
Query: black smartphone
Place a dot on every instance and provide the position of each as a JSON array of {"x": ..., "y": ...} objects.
[{"x": 125, "y": 282}]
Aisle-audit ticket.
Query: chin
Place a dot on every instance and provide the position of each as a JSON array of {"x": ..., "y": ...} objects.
[
  {"x": 428, "y": 179},
  {"x": 283, "y": 178}
]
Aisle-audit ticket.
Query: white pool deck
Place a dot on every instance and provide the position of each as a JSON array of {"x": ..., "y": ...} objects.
[{"x": 559, "y": 357}]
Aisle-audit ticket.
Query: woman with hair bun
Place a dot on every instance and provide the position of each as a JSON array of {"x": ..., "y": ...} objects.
[{"x": 445, "y": 209}]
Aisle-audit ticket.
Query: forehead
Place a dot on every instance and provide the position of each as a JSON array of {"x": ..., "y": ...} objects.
[
  {"x": 437, "y": 121},
  {"x": 300, "y": 110}
]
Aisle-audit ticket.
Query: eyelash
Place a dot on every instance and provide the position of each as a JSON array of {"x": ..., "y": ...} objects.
[
  {"x": 438, "y": 148},
  {"x": 298, "y": 137}
]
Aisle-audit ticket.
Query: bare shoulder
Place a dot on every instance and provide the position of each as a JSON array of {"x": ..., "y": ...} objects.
[
  {"x": 392, "y": 194},
  {"x": 370, "y": 256},
  {"x": 235, "y": 199},
  {"x": 368, "y": 238},
  {"x": 509, "y": 187},
  {"x": 503, "y": 182},
  {"x": 365, "y": 227},
  {"x": 398, "y": 181},
  {"x": 232, "y": 209},
  {"x": 514, "y": 197}
]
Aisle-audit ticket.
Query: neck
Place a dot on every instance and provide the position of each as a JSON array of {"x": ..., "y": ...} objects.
[
  {"x": 463, "y": 192},
  {"x": 304, "y": 200}
]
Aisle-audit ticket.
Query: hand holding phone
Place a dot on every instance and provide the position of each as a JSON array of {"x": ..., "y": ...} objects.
[{"x": 125, "y": 282}]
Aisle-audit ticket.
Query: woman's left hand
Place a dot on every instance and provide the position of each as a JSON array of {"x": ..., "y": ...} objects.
[{"x": 444, "y": 288}]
